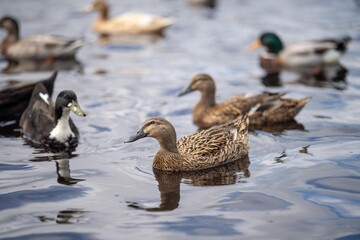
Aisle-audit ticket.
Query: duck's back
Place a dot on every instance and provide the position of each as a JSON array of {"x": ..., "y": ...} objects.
[
  {"x": 44, "y": 46},
  {"x": 215, "y": 146}
]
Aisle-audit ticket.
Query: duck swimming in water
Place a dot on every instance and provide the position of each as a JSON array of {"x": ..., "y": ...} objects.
[
  {"x": 49, "y": 125},
  {"x": 265, "y": 108},
  {"x": 129, "y": 23},
  {"x": 299, "y": 57},
  {"x": 44, "y": 48},
  {"x": 205, "y": 149}
]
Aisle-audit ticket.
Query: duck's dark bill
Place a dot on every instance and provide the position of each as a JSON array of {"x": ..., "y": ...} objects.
[
  {"x": 185, "y": 91},
  {"x": 137, "y": 136}
]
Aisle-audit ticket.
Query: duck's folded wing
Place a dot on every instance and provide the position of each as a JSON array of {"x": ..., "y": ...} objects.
[
  {"x": 44, "y": 46},
  {"x": 208, "y": 143},
  {"x": 39, "y": 121},
  {"x": 281, "y": 110}
]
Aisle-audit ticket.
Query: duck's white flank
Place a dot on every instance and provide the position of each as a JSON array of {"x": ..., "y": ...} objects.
[{"x": 62, "y": 130}]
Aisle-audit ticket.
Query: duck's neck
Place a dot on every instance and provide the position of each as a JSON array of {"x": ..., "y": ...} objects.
[
  {"x": 104, "y": 13},
  {"x": 62, "y": 130},
  {"x": 207, "y": 100},
  {"x": 168, "y": 156},
  {"x": 11, "y": 38},
  {"x": 168, "y": 143}
]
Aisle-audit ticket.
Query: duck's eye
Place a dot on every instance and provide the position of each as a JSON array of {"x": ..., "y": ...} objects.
[
  {"x": 151, "y": 122},
  {"x": 69, "y": 104}
]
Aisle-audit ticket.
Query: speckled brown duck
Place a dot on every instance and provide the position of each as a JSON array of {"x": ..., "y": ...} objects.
[
  {"x": 202, "y": 150},
  {"x": 129, "y": 23},
  {"x": 265, "y": 108}
]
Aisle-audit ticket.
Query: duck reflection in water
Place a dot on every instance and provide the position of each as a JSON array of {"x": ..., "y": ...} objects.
[
  {"x": 169, "y": 182},
  {"x": 68, "y": 216},
  {"x": 62, "y": 163},
  {"x": 328, "y": 76}
]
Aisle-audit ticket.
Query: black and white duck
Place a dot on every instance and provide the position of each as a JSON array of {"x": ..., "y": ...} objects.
[{"x": 49, "y": 125}]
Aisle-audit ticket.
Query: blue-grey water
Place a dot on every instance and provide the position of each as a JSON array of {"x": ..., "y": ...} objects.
[{"x": 298, "y": 184}]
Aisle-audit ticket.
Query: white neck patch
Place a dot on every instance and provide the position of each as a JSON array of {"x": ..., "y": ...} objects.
[
  {"x": 45, "y": 97},
  {"x": 62, "y": 130}
]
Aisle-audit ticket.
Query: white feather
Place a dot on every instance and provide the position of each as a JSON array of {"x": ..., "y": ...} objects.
[
  {"x": 45, "y": 97},
  {"x": 234, "y": 133}
]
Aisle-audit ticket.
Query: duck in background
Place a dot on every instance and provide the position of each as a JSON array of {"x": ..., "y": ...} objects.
[
  {"x": 128, "y": 23},
  {"x": 15, "y": 97},
  {"x": 209, "y": 148},
  {"x": 263, "y": 109},
  {"x": 43, "y": 49},
  {"x": 203, "y": 3},
  {"x": 305, "y": 58},
  {"x": 47, "y": 125}
]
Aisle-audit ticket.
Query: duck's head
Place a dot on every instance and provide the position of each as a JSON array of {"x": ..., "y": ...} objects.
[
  {"x": 10, "y": 24},
  {"x": 98, "y": 5},
  {"x": 202, "y": 82},
  {"x": 270, "y": 40},
  {"x": 158, "y": 128},
  {"x": 66, "y": 101}
]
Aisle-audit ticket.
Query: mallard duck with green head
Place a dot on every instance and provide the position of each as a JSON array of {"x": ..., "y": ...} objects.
[{"x": 305, "y": 56}]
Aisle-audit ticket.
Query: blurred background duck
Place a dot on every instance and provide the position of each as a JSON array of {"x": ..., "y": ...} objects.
[
  {"x": 307, "y": 56},
  {"x": 202, "y": 150},
  {"x": 203, "y": 3},
  {"x": 49, "y": 125},
  {"x": 264, "y": 108},
  {"x": 128, "y": 23},
  {"x": 15, "y": 97},
  {"x": 42, "y": 48}
]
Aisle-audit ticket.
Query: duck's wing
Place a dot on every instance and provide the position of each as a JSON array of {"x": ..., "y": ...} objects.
[
  {"x": 242, "y": 104},
  {"x": 281, "y": 110},
  {"x": 44, "y": 46},
  {"x": 38, "y": 119},
  {"x": 314, "y": 52},
  {"x": 217, "y": 145}
]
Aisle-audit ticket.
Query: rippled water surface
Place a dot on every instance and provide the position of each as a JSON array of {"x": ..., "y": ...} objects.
[{"x": 296, "y": 184}]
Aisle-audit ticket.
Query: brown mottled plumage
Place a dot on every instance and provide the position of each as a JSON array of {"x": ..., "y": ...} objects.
[
  {"x": 264, "y": 108},
  {"x": 130, "y": 23},
  {"x": 277, "y": 111},
  {"x": 202, "y": 150}
]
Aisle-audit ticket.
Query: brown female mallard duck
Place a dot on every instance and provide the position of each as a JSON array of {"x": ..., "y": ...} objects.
[
  {"x": 15, "y": 97},
  {"x": 265, "y": 108},
  {"x": 130, "y": 23},
  {"x": 301, "y": 56},
  {"x": 47, "y": 124},
  {"x": 202, "y": 150},
  {"x": 38, "y": 47}
]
